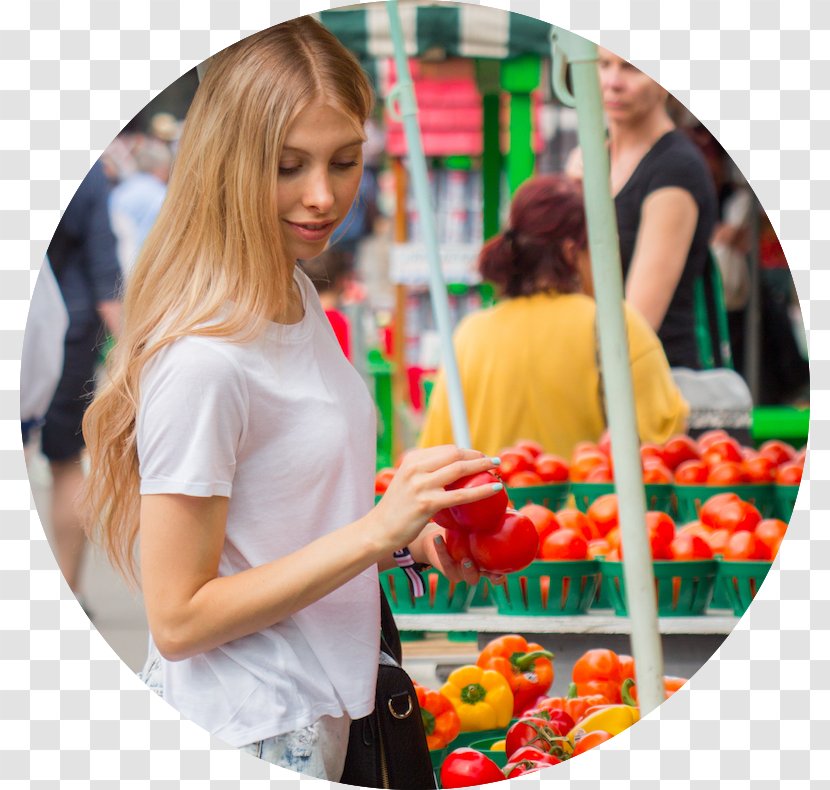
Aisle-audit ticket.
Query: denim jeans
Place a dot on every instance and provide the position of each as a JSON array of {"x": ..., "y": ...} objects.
[{"x": 318, "y": 750}]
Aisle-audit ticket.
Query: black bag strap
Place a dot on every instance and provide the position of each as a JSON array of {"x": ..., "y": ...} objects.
[{"x": 390, "y": 638}]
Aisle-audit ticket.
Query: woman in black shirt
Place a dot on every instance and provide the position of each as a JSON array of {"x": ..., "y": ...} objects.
[{"x": 665, "y": 201}]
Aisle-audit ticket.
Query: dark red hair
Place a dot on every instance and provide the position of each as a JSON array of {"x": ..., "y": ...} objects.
[{"x": 528, "y": 257}]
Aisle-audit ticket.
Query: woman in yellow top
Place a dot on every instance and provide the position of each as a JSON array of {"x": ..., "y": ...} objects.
[{"x": 529, "y": 366}]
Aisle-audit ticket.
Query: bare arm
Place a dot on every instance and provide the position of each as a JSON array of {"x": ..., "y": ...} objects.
[
  {"x": 110, "y": 313},
  {"x": 667, "y": 226},
  {"x": 191, "y": 609}
]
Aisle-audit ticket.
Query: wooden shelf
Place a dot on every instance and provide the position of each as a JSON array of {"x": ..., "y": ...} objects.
[{"x": 486, "y": 620}]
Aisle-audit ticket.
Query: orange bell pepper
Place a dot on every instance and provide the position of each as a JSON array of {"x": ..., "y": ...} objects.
[
  {"x": 598, "y": 672},
  {"x": 441, "y": 722},
  {"x": 528, "y": 668}
]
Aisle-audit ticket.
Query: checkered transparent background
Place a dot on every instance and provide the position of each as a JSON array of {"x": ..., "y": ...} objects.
[{"x": 75, "y": 71}]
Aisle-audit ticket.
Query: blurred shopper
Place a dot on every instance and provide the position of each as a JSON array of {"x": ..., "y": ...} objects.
[
  {"x": 529, "y": 366},
  {"x": 41, "y": 361},
  {"x": 666, "y": 205},
  {"x": 83, "y": 256},
  {"x": 136, "y": 201}
]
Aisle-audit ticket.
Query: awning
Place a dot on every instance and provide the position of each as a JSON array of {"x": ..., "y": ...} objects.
[{"x": 445, "y": 30}]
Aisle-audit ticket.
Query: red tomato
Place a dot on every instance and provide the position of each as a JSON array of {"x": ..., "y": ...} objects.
[
  {"x": 534, "y": 448},
  {"x": 515, "y": 460},
  {"x": 467, "y": 767},
  {"x": 484, "y": 515},
  {"x": 691, "y": 473},
  {"x": 661, "y": 529},
  {"x": 536, "y": 755},
  {"x": 657, "y": 472},
  {"x": 718, "y": 539},
  {"x": 694, "y": 528},
  {"x": 706, "y": 438},
  {"x": 777, "y": 451},
  {"x": 597, "y": 664},
  {"x": 444, "y": 518},
  {"x": 738, "y": 516},
  {"x": 759, "y": 469},
  {"x": 534, "y": 731},
  {"x": 571, "y": 518},
  {"x": 514, "y": 769},
  {"x": 745, "y": 546},
  {"x": 543, "y": 519},
  {"x": 712, "y": 505},
  {"x": 585, "y": 461},
  {"x": 789, "y": 474},
  {"x": 726, "y": 473},
  {"x": 690, "y": 547},
  {"x": 722, "y": 450},
  {"x": 564, "y": 544},
  {"x": 771, "y": 532},
  {"x": 458, "y": 544},
  {"x": 598, "y": 548},
  {"x": 613, "y": 537},
  {"x": 601, "y": 473},
  {"x": 648, "y": 450},
  {"x": 382, "y": 480},
  {"x": 510, "y": 548},
  {"x": 604, "y": 512},
  {"x": 524, "y": 479},
  {"x": 604, "y": 444},
  {"x": 551, "y": 468},
  {"x": 679, "y": 449}
]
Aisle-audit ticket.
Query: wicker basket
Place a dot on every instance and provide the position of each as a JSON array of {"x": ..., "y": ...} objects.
[
  {"x": 442, "y": 596},
  {"x": 739, "y": 580},
  {"x": 683, "y": 589},
  {"x": 551, "y": 587},
  {"x": 691, "y": 498}
]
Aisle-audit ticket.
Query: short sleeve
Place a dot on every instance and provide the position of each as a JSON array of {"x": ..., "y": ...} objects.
[
  {"x": 192, "y": 420},
  {"x": 680, "y": 168}
]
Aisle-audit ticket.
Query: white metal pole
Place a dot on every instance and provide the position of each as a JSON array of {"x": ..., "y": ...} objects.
[
  {"x": 616, "y": 368},
  {"x": 404, "y": 94}
]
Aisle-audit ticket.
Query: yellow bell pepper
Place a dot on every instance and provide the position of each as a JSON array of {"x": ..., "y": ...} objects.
[
  {"x": 481, "y": 697},
  {"x": 612, "y": 719},
  {"x": 499, "y": 746}
]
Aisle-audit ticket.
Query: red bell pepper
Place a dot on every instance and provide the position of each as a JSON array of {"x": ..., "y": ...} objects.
[{"x": 527, "y": 666}]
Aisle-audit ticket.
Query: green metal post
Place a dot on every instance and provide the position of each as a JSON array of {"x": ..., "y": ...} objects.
[
  {"x": 520, "y": 77},
  {"x": 487, "y": 78},
  {"x": 381, "y": 372},
  {"x": 404, "y": 94},
  {"x": 616, "y": 370}
]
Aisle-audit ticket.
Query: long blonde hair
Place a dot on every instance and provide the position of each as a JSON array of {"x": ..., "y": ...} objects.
[{"x": 216, "y": 242}]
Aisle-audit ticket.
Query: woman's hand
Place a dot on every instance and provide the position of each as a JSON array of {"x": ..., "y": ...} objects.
[
  {"x": 430, "y": 547},
  {"x": 417, "y": 492}
]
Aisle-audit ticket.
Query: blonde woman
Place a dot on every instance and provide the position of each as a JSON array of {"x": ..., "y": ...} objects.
[{"x": 232, "y": 435}]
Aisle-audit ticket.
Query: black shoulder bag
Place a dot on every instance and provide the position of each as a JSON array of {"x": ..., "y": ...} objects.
[{"x": 388, "y": 748}]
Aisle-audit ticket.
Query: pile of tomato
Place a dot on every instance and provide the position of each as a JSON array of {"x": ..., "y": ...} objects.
[
  {"x": 716, "y": 458},
  {"x": 510, "y": 683}
]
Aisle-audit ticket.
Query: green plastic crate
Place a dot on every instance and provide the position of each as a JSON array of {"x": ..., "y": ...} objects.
[
  {"x": 691, "y": 498},
  {"x": 549, "y": 587},
  {"x": 740, "y": 580},
  {"x": 785, "y": 497},
  {"x": 683, "y": 589},
  {"x": 468, "y": 738},
  {"x": 659, "y": 496},
  {"x": 442, "y": 596},
  {"x": 483, "y": 595},
  {"x": 498, "y": 756},
  {"x": 553, "y": 496}
]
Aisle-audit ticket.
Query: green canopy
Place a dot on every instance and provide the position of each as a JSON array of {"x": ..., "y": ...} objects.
[{"x": 445, "y": 30}]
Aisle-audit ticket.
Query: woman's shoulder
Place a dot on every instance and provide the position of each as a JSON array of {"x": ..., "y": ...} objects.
[{"x": 197, "y": 358}]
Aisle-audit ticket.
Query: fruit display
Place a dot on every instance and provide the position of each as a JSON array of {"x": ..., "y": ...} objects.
[{"x": 550, "y": 730}]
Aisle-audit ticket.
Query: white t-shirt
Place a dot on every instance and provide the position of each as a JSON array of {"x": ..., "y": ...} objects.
[{"x": 285, "y": 427}]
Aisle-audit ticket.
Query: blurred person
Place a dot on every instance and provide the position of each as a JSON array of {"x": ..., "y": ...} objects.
[
  {"x": 136, "y": 201},
  {"x": 41, "y": 359},
  {"x": 529, "y": 365},
  {"x": 85, "y": 262},
  {"x": 665, "y": 203},
  {"x": 330, "y": 273}
]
